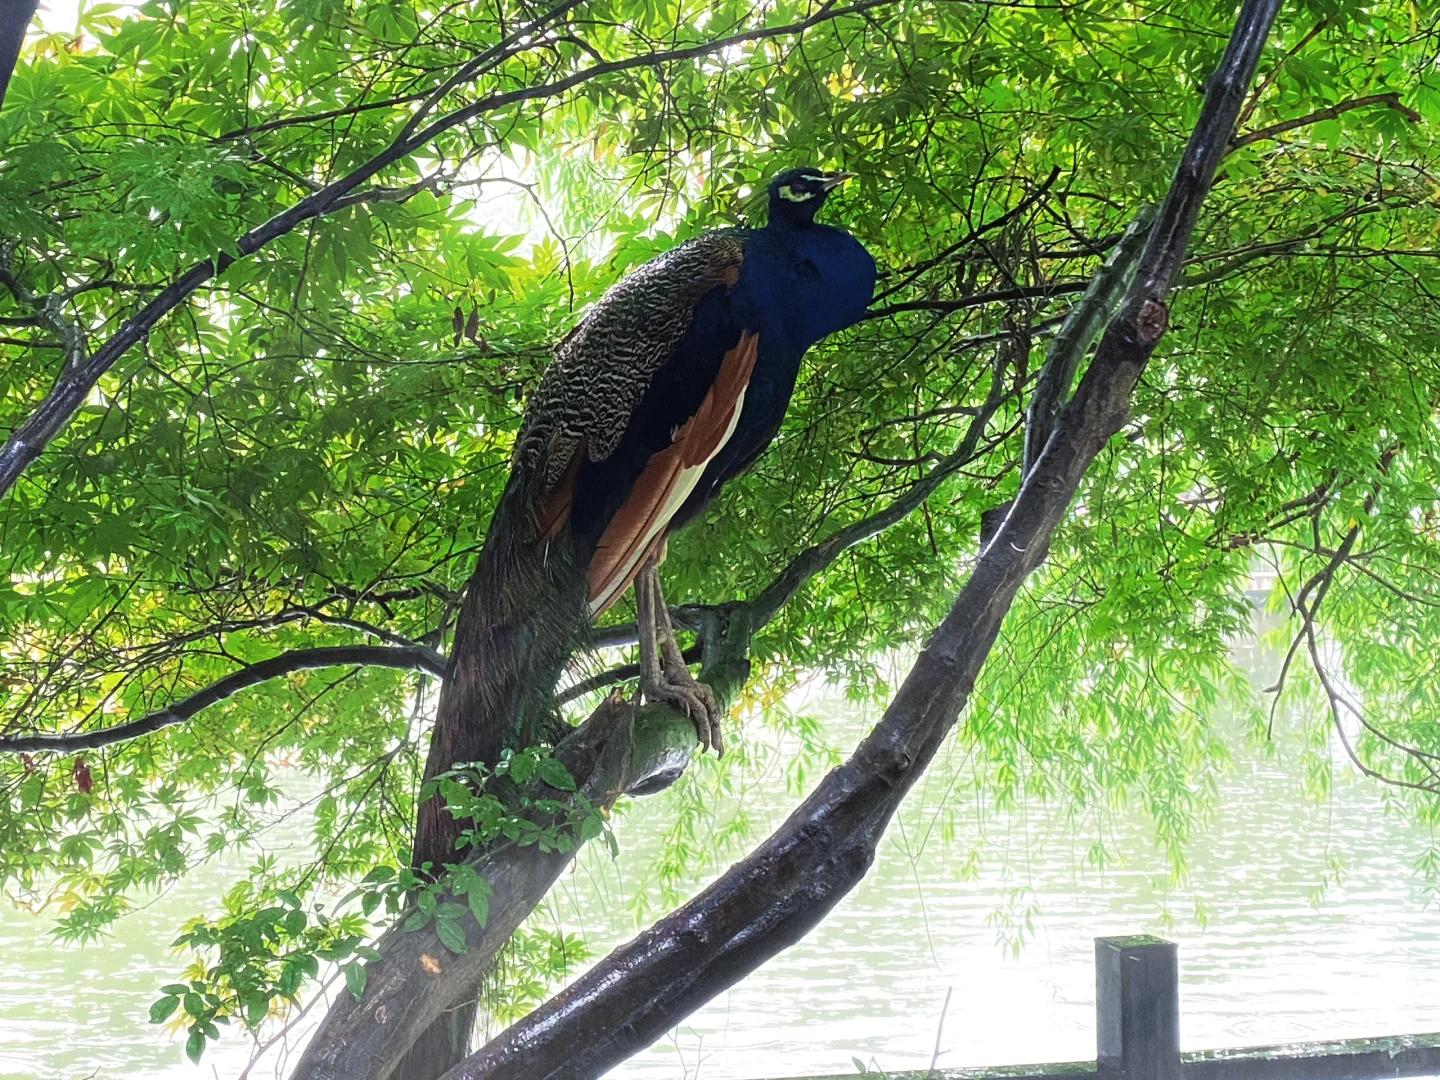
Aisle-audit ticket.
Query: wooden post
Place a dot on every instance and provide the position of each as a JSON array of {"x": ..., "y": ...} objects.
[{"x": 1137, "y": 1008}]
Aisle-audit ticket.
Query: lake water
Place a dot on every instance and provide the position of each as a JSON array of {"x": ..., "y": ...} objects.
[{"x": 870, "y": 982}]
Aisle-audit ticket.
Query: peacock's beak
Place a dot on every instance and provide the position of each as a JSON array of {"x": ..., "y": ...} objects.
[{"x": 834, "y": 180}]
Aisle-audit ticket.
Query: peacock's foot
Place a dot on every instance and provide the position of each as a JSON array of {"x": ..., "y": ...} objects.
[{"x": 680, "y": 690}]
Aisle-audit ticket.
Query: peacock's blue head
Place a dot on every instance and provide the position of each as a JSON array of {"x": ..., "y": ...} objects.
[{"x": 796, "y": 194}]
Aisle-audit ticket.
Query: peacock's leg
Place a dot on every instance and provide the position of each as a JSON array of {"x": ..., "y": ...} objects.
[{"x": 664, "y": 675}]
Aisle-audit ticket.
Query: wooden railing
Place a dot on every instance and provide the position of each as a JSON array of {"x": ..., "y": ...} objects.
[{"x": 1137, "y": 1024}]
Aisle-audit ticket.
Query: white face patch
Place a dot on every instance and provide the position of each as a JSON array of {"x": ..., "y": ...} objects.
[{"x": 789, "y": 194}]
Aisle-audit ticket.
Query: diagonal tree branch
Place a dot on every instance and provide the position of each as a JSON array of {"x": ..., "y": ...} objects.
[
  {"x": 818, "y": 557},
  {"x": 28, "y": 441},
  {"x": 15, "y": 16},
  {"x": 1000, "y": 296},
  {"x": 1392, "y": 100},
  {"x": 1082, "y": 326},
  {"x": 786, "y": 886},
  {"x": 414, "y": 657}
]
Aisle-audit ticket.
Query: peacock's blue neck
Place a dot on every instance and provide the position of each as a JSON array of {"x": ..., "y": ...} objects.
[{"x": 809, "y": 281}]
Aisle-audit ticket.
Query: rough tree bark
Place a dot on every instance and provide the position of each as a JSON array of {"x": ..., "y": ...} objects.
[
  {"x": 785, "y": 887},
  {"x": 618, "y": 751}
]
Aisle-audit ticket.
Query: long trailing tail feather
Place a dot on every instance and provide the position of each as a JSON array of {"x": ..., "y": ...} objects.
[{"x": 523, "y": 616}]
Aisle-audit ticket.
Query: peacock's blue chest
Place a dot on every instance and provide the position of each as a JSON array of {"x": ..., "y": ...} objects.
[
  {"x": 795, "y": 288},
  {"x": 802, "y": 285}
]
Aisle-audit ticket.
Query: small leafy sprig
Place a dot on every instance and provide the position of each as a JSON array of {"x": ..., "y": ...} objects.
[
  {"x": 264, "y": 956},
  {"x": 550, "y": 824}
]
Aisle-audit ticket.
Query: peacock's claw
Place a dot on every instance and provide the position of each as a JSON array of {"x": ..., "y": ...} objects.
[{"x": 680, "y": 690}]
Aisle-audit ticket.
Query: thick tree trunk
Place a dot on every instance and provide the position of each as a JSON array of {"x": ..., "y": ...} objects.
[{"x": 617, "y": 751}]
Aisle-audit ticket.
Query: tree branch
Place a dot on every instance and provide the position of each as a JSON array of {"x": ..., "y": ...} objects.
[
  {"x": 29, "y": 440},
  {"x": 413, "y": 657},
  {"x": 774, "y": 896},
  {"x": 15, "y": 16},
  {"x": 1082, "y": 326},
  {"x": 913, "y": 272},
  {"x": 614, "y": 675},
  {"x": 817, "y": 557},
  {"x": 1391, "y": 100},
  {"x": 1000, "y": 296}
]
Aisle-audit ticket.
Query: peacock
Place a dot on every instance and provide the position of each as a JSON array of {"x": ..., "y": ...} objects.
[{"x": 673, "y": 383}]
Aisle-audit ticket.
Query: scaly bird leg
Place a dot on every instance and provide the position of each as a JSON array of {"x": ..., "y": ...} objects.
[{"x": 664, "y": 675}]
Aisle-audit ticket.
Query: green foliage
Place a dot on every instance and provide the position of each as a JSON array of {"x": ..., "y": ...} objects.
[
  {"x": 261, "y": 958},
  {"x": 535, "y": 961},
  {"x": 268, "y": 946},
  {"x": 549, "y": 824},
  {"x": 306, "y": 452}
]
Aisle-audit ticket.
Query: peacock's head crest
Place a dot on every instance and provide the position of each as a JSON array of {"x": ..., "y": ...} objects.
[{"x": 796, "y": 194}]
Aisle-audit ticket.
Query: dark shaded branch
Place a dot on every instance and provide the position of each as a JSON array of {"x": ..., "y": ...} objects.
[
  {"x": 1082, "y": 326},
  {"x": 320, "y": 117},
  {"x": 1391, "y": 100},
  {"x": 614, "y": 675},
  {"x": 774, "y": 896},
  {"x": 29, "y": 440},
  {"x": 412, "y": 658},
  {"x": 1000, "y": 296},
  {"x": 15, "y": 16}
]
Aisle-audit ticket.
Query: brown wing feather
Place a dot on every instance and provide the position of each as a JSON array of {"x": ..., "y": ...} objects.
[
  {"x": 669, "y": 476},
  {"x": 552, "y": 510}
]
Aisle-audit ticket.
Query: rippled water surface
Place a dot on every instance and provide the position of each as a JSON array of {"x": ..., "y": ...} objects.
[{"x": 870, "y": 982}]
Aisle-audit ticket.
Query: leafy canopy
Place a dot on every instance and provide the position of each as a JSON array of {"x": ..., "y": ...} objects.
[{"x": 306, "y": 451}]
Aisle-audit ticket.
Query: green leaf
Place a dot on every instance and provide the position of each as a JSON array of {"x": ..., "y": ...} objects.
[
  {"x": 195, "y": 1045},
  {"x": 478, "y": 900},
  {"x": 451, "y": 936},
  {"x": 355, "y": 976},
  {"x": 161, "y": 1010},
  {"x": 555, "y": 774}
]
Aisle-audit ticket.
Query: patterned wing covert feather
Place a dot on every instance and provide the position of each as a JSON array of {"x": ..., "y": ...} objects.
[{"x": 603, "y": 367}]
